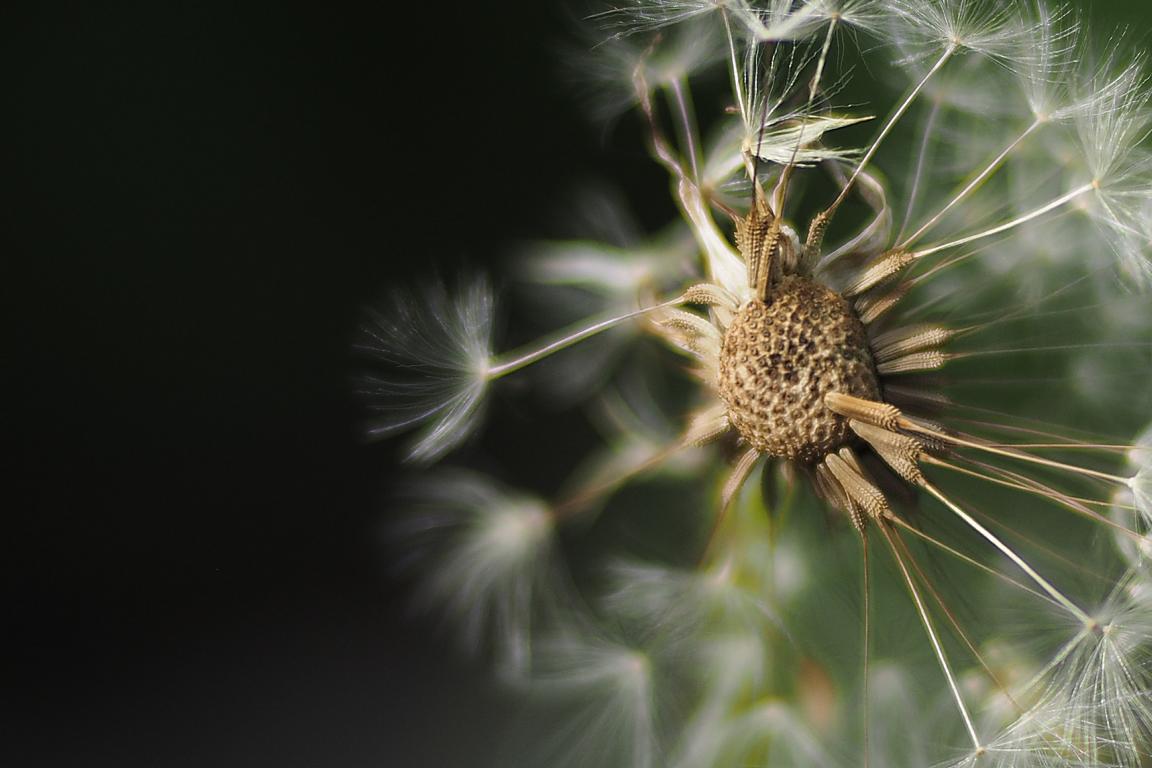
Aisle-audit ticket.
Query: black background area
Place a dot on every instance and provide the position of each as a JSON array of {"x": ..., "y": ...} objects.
[{"x": 208, "y": 194}]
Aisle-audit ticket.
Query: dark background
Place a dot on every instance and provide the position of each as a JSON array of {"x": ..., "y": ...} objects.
[{"x": 206, "y": 196}]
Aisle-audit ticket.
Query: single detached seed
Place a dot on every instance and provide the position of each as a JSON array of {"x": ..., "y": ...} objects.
[{"x": 779, "y": 359}]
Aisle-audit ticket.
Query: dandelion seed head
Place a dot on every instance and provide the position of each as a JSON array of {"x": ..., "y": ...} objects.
[
  {"x": 806, "y": 327},
  {"x": 838, "y": 306}
]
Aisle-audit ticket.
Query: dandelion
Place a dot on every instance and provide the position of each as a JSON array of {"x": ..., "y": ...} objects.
[
  {"x": 846, "y": 348},
  {"x": 486, "y": 555},
  {"x": 438, "y": 364}
]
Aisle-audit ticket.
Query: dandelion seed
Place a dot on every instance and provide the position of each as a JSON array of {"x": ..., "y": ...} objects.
[
  {"x": 486, "y": 555},
  {"x": 650, "y": 15},
  {"x": 613, "y": 709},
  {"x": 573, "y": 279},
  {"x": 1111, "y": 135},
  {"x": 436, "y": 351},
  {"x": 639, "y": 442},
  {"x": 998, "y": 30},
  {"x": 771, "y": 733},
  {"x": 676, "y": 605},
  {"x": 607, "y": 68},
  {"x": 1045, "y": 78},
  {"x": 868, "y": 15},
  {"x": 437, "y": 364},
  {"x": 1140, "y": 484}
]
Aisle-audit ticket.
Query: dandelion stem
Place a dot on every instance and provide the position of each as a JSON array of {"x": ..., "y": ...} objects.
[
  {"x": 888, "y": 127},
  {"x": 820, "y": 64},
  {"x": 736, "y": 85},
  {"x": 935, "y": 640},
  {"x": 660, "y": 147},
  {"x": 578, "y": 501},
  {"x": 921, "y": 161},
  {"x": 1052, "y": 205},
  {"x": 1051, "y": 348},
  {"x": 688, "y": 130},
  {"x": 976, "y": 182},
  {"x": 954, "y": 622},
  {"x": 812, "y": 88},
  {"x": 961, "y": 556},
  {"x": 996, "y": 542},
  {"x": 1075, "y": 503},
  {"x": 754, "y": 170},
  {"x": 523, "y": 359},
  {"x": 1078, "y": 446},
  {"x": 906, "y": 423},
  {"x": 1075, "y": 565},
  {"x": 720, "y": 257}
]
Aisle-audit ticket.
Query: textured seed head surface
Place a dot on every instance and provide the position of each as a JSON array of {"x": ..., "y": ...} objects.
[{"x": 782, "y": 356}]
